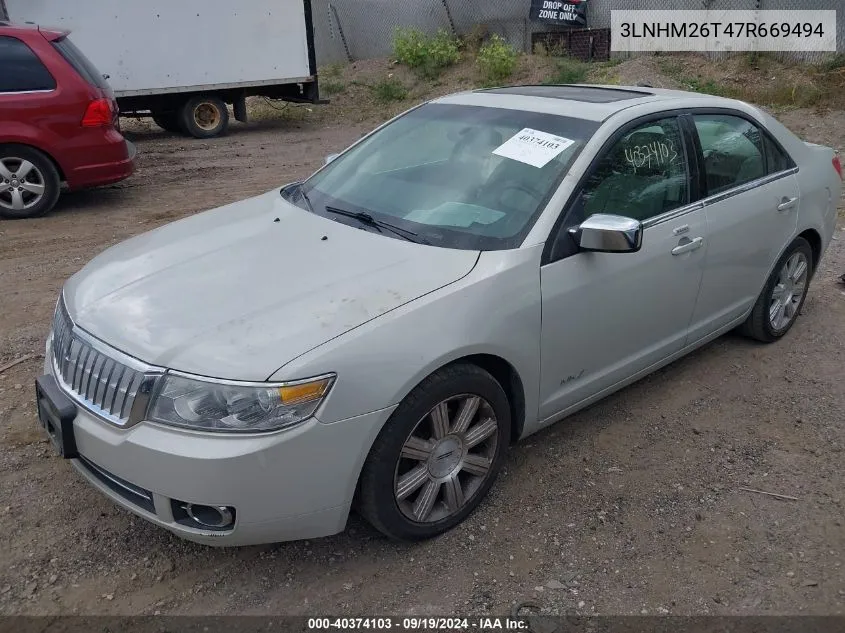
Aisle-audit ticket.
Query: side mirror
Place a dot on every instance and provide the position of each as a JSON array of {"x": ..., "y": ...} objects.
[
  {"x": 608, "y": 234},
  {"x": 330, "y": 158}
]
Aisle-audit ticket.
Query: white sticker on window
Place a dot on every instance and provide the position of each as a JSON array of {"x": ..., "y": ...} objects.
[{"x": 533, "y": 147}]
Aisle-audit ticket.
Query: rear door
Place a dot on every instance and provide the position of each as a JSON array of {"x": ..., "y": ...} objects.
[{"x": 751, "y": 200}]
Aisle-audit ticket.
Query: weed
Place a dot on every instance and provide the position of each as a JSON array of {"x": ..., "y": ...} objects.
[
  {"x": 426, "y": 55},
  {"x": 833, "y": 63},
  {"x": 497, "y": 60},
  {"x": 332, "y": 86},
  {"x": 569, "y": 71},
  {"x": 332, "y": 71},
  {"x": 390, "y": 89},
  {"x": 670, "y": 67},
  {"x": 708, "y": 87}
]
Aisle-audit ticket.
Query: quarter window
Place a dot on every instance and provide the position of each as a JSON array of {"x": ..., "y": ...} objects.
[
  {"x": 733, "y": 151},
  {"x": 22, "y": 71},
  {"x": 776, "y": 159},
  {"x": 643, "y": 175}
]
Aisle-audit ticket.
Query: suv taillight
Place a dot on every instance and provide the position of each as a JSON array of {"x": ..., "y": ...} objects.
[
  {"x": 98, "y": 114},
  {"x": 837, "y": 164}
]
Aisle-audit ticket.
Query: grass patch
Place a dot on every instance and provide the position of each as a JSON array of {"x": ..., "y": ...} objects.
[
  {"x": 709, "y": 87},
  {"x": 670, "y": 67},
  {"x": 263, "y": 109},
  {"x": 568, "y": 71},
  {"x": 332, "y": 86},
  {"x": 786, "y": 96},
  {"x": 497, "y": 60},
  {"x": 332, "y": 71},
  {"x": 426, "y": 55},
  {"x": 390, "y": 89},
  {"x": 833, "y": 63}
]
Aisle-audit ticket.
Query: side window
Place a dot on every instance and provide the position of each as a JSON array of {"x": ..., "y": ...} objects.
[
  {"x": 732, "y": 149},
  {"x": 776, "y": 159},
  {"x": 643, "y": 175},
  {"x": 22, "y": 70}
]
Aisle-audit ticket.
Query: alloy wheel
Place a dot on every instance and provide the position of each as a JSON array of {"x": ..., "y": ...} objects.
[
  {"x": 446, "y": 459},
  {"x": 22, "y": 184},
  {"x": 788, "y": 291}
]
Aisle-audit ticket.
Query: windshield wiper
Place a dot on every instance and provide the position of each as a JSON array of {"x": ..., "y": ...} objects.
[
  {"x": 300, "y": 186},
  {"x": 305, "y": 197},
  {"x": 365, "y": 218}
]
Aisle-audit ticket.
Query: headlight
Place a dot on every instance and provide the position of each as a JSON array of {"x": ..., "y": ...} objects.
[{"x": 231, "y": 407}]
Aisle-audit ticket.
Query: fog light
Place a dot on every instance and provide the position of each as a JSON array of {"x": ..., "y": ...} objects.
[{"x": 213, "y": 517}]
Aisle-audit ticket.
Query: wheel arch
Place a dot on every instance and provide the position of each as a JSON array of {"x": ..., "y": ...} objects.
[
  {"x": 815, "y": 240},
  {"x": 31, "y": 146},
  {"x": 502, "y": 370},
  {"x": 508, "y": 377}
]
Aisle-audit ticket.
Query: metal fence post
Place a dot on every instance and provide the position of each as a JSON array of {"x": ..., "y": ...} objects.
[
  {"x": 449, "y": 17},
  {"x": 333, "y": 9}
]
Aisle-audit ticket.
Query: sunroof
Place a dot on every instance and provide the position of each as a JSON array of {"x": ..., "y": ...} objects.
[{"x": 573, "y": 93}]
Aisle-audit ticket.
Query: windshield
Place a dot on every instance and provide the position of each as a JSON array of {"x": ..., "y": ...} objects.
[{"x": 456, "y": 176}]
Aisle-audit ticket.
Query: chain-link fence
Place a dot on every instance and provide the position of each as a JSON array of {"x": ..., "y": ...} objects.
[{"x": 347, "y": 30}]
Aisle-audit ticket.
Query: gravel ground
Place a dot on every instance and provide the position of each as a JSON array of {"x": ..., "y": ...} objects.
[{"x": 632, "y": 506}]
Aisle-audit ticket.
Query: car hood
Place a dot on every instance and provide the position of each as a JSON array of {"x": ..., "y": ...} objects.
[{"x": 241, "y": 290}]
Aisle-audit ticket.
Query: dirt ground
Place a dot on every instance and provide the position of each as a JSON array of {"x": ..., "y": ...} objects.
[{"x": 633, "y": 506}]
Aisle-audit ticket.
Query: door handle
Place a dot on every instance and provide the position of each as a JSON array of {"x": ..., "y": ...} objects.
[
  {"x": 787, "y": 203},
  {"x": 688, "y": 246}
]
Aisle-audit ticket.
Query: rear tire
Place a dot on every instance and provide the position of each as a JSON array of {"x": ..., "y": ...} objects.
[
  {"x": 437, "y": 456},
  {"x": 783, "y": 296},
  {"x": 29, "y": 182},
  {"x": 204, "y": 116}
]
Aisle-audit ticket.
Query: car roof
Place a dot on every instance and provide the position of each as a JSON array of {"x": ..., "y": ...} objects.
[
  {"x": 592, "y": 102},
  {"x": 28, "y": 29},
  {"x": 17, "y": 26}
]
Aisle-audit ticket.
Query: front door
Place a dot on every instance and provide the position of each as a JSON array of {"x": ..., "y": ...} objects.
[{"x": 608, "y": 316}]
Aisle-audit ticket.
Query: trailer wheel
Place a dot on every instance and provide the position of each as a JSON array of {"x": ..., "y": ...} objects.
[
  {"x": 204, "y": 116},
  {"x": 168, "y": 121}
]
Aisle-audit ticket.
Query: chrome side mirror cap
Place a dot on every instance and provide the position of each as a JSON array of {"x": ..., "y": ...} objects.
[
  {"x": 602, "y": 233},
  {"x": 330, "y": 158}
]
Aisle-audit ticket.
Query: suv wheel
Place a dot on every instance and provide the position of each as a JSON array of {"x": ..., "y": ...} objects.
[{"x": 29, "y": 182}]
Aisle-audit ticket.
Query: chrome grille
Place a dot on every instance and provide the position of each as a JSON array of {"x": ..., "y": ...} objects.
[{"x": 93, "y": 377}]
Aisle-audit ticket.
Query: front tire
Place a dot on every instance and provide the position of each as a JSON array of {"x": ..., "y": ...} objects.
[
  {"x": 783, "y": 296},
  {"x": 29, "y": 182},
  {"x": 437, "y": 456},
  {"x": 204, "y": 116}
]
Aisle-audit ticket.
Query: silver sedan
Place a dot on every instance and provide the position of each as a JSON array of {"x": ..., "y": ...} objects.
[{"x": 376, "y": 336}]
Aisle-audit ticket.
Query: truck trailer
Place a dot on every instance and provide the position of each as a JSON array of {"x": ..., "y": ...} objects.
[{"x": 182, "y": 62}]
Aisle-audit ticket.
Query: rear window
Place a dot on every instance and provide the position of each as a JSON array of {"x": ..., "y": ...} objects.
[
  {"x": 80, "y": 63},
  {"x": 22, "y": 70}
]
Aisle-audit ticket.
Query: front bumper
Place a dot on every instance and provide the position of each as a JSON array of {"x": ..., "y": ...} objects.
[{"x": 288, "y": 485}]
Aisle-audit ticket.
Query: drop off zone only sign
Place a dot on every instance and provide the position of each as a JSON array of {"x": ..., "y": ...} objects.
[{"x": 558, "y": 12}]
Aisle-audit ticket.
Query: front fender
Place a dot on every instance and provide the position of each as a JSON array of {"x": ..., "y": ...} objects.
[{"x": 495, "y": 310}]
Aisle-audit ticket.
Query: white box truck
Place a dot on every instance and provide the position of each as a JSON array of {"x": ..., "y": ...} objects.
[{"x": 182, "y": 61}]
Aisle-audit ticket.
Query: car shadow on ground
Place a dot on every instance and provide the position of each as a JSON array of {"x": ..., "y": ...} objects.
[{"x": 92, "y": 201}]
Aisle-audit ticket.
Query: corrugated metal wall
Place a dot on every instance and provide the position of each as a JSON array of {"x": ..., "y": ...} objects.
[{"x": 368, "y": 25}]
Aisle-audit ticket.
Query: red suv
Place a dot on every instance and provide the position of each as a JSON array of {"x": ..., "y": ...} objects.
[{"x": 58, "y": 122}]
